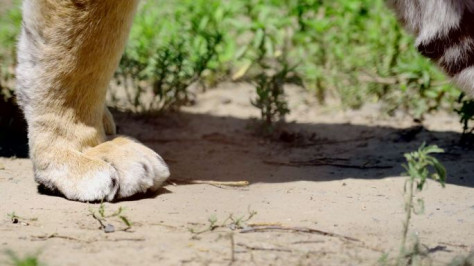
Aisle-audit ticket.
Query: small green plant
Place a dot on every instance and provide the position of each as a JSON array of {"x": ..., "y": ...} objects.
[
  {"x": 467, "y": 260},
  {"x": 239, "y": 222},
  {"x": 103, "y": 218},
  {"x": 17, "y": 219},
  {"x": 13, "y": 217},
  {"x": 420, "y": 166},
  {"x": 230, "y": 222},
  {"x": 211, "y": 226},
  {"x": 10, "y": 21},
  {"x": 466, "y": 114},
  {"x": 271, "y": 96},
  {"x": 29, "y": 260}
]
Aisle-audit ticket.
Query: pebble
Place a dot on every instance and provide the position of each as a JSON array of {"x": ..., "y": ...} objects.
[{"x": 109, "y": 228}]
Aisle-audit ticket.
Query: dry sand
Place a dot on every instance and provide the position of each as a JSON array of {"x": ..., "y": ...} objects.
[{"x": 346, "y": 182}]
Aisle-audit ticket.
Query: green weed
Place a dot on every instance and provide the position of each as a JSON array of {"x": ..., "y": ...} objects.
[
  {"x": 29, "y": 260},
  {"x": 18, "y": 219},
  {"x": 466, "y": 114},
  {"x": 270, "y": 96},
  {"x": 230, "y": 222},
  {"x": 171, "y": 48},
  {"x": 239, "y": 222},
  {"x": 10, "y": 21},
  {"x": 104, "y": 219},
  {"x": 467, "y": 260},
  {"x": 351, "y": 50},
  {"x": 420, "y": 166}
]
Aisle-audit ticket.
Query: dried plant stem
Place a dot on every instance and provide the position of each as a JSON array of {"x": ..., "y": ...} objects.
[{"x": 242, "y": 183}]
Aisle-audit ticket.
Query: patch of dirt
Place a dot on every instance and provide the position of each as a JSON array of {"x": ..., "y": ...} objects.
[{"x": 334, "y": 172}]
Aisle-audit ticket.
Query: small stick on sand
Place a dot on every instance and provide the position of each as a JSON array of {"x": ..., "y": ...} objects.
[
  {"x": 46, "y": 237},
  {"x": 211, "y": 182},
  {"x": 123, "y": 239},
  {"x": 102, "y": 225},
  {"x": 296, "y": 229},
  {"x": 262, "y": 248},
  {"x": 232, "y": 247}
]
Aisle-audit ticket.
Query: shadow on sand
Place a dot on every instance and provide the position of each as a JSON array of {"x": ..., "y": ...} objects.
[{"x": 205, "y": 147}]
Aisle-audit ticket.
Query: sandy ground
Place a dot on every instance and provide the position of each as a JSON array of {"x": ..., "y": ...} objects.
[{"x": 335, "y": 172}]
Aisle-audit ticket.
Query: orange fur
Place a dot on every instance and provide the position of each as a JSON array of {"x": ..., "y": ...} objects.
[{"x": 67, "y": 54}]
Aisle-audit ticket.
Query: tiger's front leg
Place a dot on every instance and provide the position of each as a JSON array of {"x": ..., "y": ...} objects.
[{"x": 67, "y": 53}]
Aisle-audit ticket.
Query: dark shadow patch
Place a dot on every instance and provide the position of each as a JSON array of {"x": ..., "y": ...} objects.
[
  {"x": 13, "y": 130},
  {"x": 226, "y": 149},
  {"x": 147, "y": 195},
  {"x": 47, "y": 191},
  {"x": 302, "y": 152},
  {"x": 44, "y": 190}
]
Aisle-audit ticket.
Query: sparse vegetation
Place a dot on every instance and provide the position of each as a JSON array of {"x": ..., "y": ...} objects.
[
  {"x": 466, "y": 114},
  {"x": 10, "y": 21},
  {"x": 17, "y": 219},
  {"x": 245, "y": 40},
  {"x": 230, "y": 222},
  {"x": 104, "y": 219},
  {"x": 270, "y": 96},
  {"x": 29, "y": 260},
  {"x": 169, "y": 52},
  {"x": 420, "y": 166},
  {"x": 463, "y": 260}
]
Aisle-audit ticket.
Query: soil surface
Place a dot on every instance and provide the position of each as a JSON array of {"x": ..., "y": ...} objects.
[{"x": 325, "y": 189}]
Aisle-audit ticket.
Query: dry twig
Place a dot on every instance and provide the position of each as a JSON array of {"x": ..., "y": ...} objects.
[
  {"x": 123, "y": 239},
  {"x": 46, "y": 237},
  {"x": 296, "y": 229},
  {"x": 263, "y": 249},
  {"x": 211, "y": 182},
  {"x": 232, "y": 247}
]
